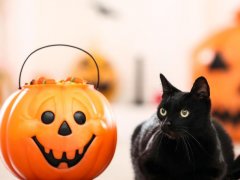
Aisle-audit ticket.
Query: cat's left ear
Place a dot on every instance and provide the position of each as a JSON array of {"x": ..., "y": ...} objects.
[
  {"x": 201, "y": 88},
  {"x": 168, "y": 88}
]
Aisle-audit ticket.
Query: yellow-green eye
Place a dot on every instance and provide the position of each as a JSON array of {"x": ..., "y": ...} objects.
[
  {"x": 184, "y": 113},
  {"x": 163, "y": 112}
]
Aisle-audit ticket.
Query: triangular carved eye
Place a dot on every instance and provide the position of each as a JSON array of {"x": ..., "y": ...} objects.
[{"x": 218, "y": 63}]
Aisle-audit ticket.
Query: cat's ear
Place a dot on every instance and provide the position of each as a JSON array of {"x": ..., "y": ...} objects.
[
  {"x": 167, "y": 87},
  {"x": 201, "y": 88}
]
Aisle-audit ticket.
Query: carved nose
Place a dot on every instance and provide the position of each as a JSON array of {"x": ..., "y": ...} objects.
[{"x": 64, "y": 129}]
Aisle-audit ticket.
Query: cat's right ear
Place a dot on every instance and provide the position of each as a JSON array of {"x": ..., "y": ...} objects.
[
  {"x": 168, "y": 88},
  {"x": 201, "y": 88}
]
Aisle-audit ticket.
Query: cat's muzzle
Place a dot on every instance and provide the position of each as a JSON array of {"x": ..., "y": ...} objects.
[{"x": 169, "y": 132}]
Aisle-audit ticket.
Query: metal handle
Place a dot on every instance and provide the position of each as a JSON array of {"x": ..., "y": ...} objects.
[{"x": 65, "y": 45}]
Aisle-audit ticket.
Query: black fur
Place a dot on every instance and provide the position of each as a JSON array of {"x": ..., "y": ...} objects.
[{"x": 175, "y": 147}]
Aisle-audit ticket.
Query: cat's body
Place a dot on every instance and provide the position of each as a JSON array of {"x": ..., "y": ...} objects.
[
  {"x": 170, "y": 146},
  {"x": 171, "y": 160}
]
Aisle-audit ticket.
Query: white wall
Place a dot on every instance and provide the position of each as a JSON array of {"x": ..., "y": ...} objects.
[{"x": 163, "y": 33}]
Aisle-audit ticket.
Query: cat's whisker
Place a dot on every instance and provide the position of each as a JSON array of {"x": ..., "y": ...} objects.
[
  {"x": 200, "y": 145},
  {"x": 192, "y": 152},
  {"x": 186, "y": 147},
  {"x": 181, "y": 128},
  {"x": 177, "y": 145},
  {"x": 190, "y": 148}
]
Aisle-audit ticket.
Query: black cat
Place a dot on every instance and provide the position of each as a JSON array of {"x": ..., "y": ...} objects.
[{"x": 181, "y": 141}]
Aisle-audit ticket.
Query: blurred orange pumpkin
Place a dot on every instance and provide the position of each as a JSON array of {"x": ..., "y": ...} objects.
[
  {"x": 218, "y": 59},
  {"x": 57, "y": 130},
  {"x": 86, "y": 69}
]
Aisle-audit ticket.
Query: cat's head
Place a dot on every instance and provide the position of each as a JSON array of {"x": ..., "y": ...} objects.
[{"x": 180, "y": 112}]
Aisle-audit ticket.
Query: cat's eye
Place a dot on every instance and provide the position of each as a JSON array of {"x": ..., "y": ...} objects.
[
  {"x": 163, "y": 112},
  {"x": 184, "y": 113}
]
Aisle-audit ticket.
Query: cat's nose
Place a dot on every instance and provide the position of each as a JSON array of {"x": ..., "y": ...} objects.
[
  {"x": 168, "y": 123},
  {"x": 166, "y": 126}
]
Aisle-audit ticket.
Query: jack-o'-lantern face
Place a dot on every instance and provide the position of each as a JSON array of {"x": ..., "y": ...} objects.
[
  {"x": 57, "y": 131},
  {"x": 86, "y": 69},
  {"x": 218, "y": 59},
  {"x": 66, "y": 129}
]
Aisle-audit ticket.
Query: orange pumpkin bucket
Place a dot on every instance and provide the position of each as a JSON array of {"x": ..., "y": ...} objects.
[
  {"x": 218, "y": 59},
  {"x": 57, "y": 130}
]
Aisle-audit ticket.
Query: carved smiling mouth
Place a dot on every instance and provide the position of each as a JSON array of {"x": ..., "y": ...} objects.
[
  {"x": 57, "y": 162},
  {"x": 226, "y": 116}
]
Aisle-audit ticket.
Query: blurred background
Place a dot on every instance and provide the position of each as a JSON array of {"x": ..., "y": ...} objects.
[{"x": 133, "y": 41}]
